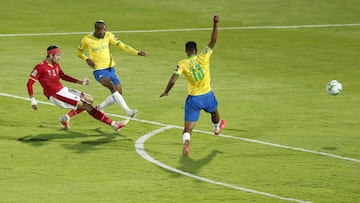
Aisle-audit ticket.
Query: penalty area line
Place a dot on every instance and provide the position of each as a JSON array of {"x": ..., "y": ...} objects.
[
  {"x": 140, "y": 149},
  {"x": 284, "y": 146}
]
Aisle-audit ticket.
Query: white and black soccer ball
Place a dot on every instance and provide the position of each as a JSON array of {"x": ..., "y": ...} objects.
[{"x": 334, "y": 87}]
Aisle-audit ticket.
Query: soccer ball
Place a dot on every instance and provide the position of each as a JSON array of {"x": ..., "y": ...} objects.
[{"x": 334, "y": 87}]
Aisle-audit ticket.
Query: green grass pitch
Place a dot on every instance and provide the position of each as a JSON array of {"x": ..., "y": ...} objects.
[{"x": 287, "y": 139}]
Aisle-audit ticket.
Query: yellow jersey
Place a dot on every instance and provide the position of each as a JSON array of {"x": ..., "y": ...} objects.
[
  {"x": 99, "y": 49},
  {"x": 196, "y": 69}
]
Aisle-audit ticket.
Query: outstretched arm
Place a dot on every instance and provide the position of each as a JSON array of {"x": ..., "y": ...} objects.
[
  {"x": 130, "y": 50},
  {"x": 214, "y": 33},
  {"x": 170, "y": 84},
  {"x": 68, "y": 78}
]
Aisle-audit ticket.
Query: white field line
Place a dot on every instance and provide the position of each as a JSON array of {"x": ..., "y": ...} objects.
[
  {"x": 187, "y": 29},
  {"x": 284, "y": 146},
  {"x": 139, "y": 146},
  {"x": 211, "y": 133}
]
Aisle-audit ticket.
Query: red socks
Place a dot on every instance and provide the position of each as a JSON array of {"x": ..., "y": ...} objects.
[
  {"x": 100, "y": 116},
  {"x": 74, "y": 112}
]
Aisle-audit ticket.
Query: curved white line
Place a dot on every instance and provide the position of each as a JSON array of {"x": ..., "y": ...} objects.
[{"x": 139, "y": 146}]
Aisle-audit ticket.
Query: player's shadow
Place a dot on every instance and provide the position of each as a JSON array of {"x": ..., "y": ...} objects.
[
  {"x": 65, "y": 139},
  {"x": 190, "y": 165}
]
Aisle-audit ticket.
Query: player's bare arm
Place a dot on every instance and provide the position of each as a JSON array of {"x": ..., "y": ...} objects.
[
  {"x": 170, "y": 84},
  {"x": 90, "y": 63},
  {"x": 214, "y": 33}
]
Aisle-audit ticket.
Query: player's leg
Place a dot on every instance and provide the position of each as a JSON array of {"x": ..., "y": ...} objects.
[
  {"x": 65, "y": 119},
  {"x": 191, "y": 116},
  {"x": 110, "y": 80},
  {"x": 115, "y": 96},
  {"x": 121, "y": 101},
  {"x": 188, "y": 127},
  {"x": 98, "y": 115},
  {"x": 65, "y": 99},
  {"x": 211, "y": 104},
  {"x": 106, "y": 82},
  {"x": 217, "y": 124}
]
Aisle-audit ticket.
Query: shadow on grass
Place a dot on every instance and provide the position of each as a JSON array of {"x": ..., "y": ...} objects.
[
  {"x": 193, "y": 166},
  {"x": 67, "y": 138}
]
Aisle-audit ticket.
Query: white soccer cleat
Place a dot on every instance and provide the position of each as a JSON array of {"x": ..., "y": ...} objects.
[
  {"x": 133, "y": 113},
  {"x": 117, "y": 125},
  {"x": 65, "y": 122}
]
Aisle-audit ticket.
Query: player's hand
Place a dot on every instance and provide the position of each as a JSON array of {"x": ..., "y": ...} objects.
[
  {"x": 90, "y": 63},
  {"x": 85, "y": 81},
  {"x": 216, "y": 18},
  {"x": 34, "y": 107},
  {"x": 142, "y": 53},
  {"x": 33, "y": 103},
  {"x": 164, "y": 94}
]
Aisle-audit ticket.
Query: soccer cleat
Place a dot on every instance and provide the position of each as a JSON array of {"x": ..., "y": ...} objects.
[
  {"x": 221, "y": 127},
  {"x": 119, "y": 124},
  {"x": 65, "y": 122},
  {"x": 133, "y": 113},
  {"x": 186, "y": 148}
]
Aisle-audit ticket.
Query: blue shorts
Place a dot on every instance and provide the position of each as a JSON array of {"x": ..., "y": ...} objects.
[
  {"x": 194, "y": 104},
  {"x": 107, "y": 73}
]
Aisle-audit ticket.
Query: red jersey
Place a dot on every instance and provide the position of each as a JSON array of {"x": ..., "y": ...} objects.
[{"x": 49, "y": 77}]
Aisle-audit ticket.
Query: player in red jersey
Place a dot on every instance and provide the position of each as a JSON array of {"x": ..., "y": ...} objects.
[{"x": 49, "y": 73}]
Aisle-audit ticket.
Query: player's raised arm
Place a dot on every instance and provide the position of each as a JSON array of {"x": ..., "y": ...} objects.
[{"x": 214, "y": 33}]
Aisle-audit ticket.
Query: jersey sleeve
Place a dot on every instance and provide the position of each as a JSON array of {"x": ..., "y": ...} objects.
[
  {"x": 34, "y": 76},
  {"x": 35, "y": 73},
  {"x": 80, "y": 50},
  {"x": 112, "y": 38},
  {"x": 206, "y": 54},
  {"x": 68, "y": 78},
  {"x": 127, "y": 48},
  {"x": 117, "y": 42},
  {"x": 179, "y": 69}
]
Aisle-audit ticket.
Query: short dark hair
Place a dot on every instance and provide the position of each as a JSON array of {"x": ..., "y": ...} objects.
[
  {"x": 52, "y": 47},
  {"x": 99, "y": 22},
  {"x": 190, "y": 46}
]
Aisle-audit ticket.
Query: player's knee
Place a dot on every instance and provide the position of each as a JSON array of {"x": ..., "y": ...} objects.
[
  {"x": 87, "y": 98},
  {"x": 84, "y": 105},
  {"x": 106, "y": 82}
]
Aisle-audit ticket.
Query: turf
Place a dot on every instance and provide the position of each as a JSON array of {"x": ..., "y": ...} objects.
[{"x": 270, "y": 84}]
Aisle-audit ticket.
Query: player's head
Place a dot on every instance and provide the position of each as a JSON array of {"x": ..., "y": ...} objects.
[
  {"x": 190, "y": 47},
  {"x": 100, "y": 28},
  {"x": 53, "y": 54}
]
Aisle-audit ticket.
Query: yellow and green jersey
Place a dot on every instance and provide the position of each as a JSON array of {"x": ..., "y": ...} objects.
[
  {"x": 196, "y": 69},
  {"x": 99, "y": 49}
]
